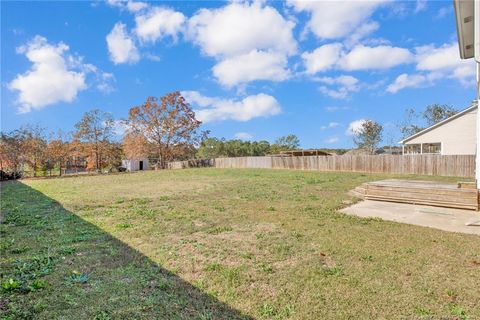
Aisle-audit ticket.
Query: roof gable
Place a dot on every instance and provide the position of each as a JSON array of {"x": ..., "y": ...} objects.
[{"x": 436, "y": 125}]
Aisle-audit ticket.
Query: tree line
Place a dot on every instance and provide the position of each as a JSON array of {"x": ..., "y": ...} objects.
[
  {"x": 29, "y": 150},
  {"x": 161, "y": 129},
  {"x": 214, "y": 148}
]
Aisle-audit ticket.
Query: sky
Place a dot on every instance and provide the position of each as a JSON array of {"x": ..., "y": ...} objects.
[{"x": 253, "y": 70}]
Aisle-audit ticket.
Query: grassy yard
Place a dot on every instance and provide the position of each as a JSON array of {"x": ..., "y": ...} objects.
[{"x": 222, "y": 244}]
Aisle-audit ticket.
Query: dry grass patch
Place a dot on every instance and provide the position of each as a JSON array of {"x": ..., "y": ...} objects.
[{"x": 221, "y": 244}]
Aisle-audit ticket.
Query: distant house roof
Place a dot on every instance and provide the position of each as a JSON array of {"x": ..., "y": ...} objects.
[{"x": 436, "y": 125}]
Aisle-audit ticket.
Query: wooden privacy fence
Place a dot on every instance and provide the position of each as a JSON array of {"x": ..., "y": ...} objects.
[
  {"x": 195, "y": 163},
  {"x": 431, "y": 164}
]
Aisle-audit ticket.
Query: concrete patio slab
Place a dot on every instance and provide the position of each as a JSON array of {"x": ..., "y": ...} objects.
[{"x": 447, "y": 219}]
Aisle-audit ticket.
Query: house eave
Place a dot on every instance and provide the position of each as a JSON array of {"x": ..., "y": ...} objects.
[{"x": 461, "y": 113}]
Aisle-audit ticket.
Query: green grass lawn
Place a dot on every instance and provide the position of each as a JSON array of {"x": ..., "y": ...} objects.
[{"x": 222, "y": 244}]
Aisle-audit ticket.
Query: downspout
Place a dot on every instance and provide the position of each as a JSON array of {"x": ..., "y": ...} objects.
[
  {"x": 477, "y": 160},
  {"x": 476, "y": 34}
]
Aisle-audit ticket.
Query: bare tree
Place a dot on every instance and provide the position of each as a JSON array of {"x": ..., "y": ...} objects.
[
  {"x": 368, "y": 136},
  {"x": 34, "y": 146},
  {"x": 166, "y": 122},
  {"x": 95, "y": 130},
  {"x": 58, "y": 150},
  {"x": 12, "y": 156},
  {"x": 417, "y": 121},
  {"x": 435, "y": 113},
  {"x": 408, "y": 126}
]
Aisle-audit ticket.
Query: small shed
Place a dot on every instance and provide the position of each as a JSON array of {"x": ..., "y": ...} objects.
[
  {"x": 139, "y": 164},
  {"x": 453, "y": 136}
]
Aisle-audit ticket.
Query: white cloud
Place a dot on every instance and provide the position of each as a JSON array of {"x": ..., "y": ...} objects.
[
  {"x": 431, "y": 58},
  {"x": 339, "y": 87},
  {"x": 340, "y": 93},
  {"x": 406, "y": 81},
  {"x": 152, "y": 23},
  {"x": 152, "y": 56},
  {"x": 410, "y": 81},
  {"x": 332, "y": 140},
  {"x": 445, "y": 59},
  {"x": 116, "y": 3},
  {"x": 380, "y": 57},
  {"x": 362, "y": 31},
  {"x": 434, "y": 64},
  {"x": 157, "y": 23},
  {"x": 121, "y": 46},
  {"x": 331, "y": 125},
  {"x": 197, "y": 99},
  {"x": 240, "y": 37},
  {"x": 334, "y": 56},
  {"x": 354, "y": 127},
  {"x": 132, "y": 6},
  {"x": 420, "y": 5},
  {"x": 243, "y": 136},
  {"x": 255, "y": 65},
  {"x": 209, "y": 109},
  {"x": 239, "y": 28},
  {"x": 50, "y": 78},
  {"x": 347, "y": 81},
  {"x": 443, "y": 12},
  {"x": 106, "y": 82},
  {"x": 337, "y": 19},
  {"x": 323, "y": 58}
]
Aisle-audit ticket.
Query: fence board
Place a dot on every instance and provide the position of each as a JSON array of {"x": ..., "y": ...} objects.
[
  {"x": 441, "y": 165},
  {"x": 195, "y": 163}
]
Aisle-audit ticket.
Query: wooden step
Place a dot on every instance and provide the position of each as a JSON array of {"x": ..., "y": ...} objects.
[
  {"x": 421, "y": 192},
  {"x": 411, "y": 194},
  {"x": 446, "y": 192},
  {"x": 469, "y": 206}
]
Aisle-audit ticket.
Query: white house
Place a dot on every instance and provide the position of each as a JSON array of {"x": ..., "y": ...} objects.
[
  {"x": 136, "y": 164},
  {"x": 453, "y": 136}
]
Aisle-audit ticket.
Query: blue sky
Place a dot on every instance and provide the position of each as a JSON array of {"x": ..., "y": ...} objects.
[{"x": 254, "y": 70}]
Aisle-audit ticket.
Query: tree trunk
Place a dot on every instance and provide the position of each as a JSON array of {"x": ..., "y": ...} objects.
[
  {"x": 159, "y": 160},
  {"x": 97, "y": 163}
]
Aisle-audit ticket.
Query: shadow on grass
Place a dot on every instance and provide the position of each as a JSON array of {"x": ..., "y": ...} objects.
[{"x": 53, "y": 264}]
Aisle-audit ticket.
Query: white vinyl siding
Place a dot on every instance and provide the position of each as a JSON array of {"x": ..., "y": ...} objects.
[{"x": 455, "y": 137}]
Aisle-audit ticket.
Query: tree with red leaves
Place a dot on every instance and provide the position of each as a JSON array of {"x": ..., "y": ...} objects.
[
  {"x": 135, "y": 146},
  {"x": 166, "y": 123}
]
